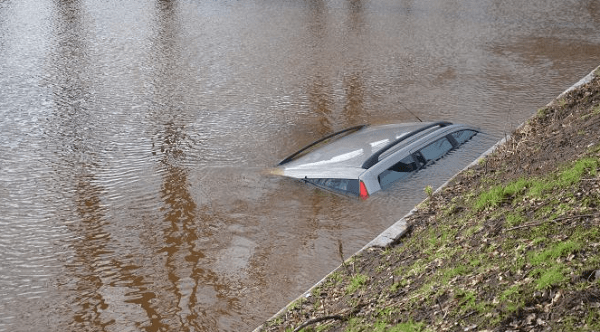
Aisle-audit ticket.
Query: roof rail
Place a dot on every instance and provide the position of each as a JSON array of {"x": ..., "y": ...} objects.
[
  {"x": 375, "y": 157},
  {"x": 290, "y": 158}
]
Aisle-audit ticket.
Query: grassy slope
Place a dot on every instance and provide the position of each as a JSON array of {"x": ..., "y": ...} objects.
[{"x": 511, "y": 244}]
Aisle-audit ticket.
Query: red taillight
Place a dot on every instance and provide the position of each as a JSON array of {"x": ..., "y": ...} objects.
[{"x": 363, "y": 191}]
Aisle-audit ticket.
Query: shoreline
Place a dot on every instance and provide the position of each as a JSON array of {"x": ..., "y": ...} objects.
[{"x": 400, "y": 228}]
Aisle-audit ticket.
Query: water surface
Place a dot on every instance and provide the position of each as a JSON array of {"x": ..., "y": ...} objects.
[{"x": 136, "y": 138}]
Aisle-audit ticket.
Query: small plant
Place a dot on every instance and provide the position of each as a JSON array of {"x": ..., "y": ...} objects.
[
  {"x": 541, "y": 112},
  {"x": 596, "y": 110},
  {"x": 429, "y": 191},
  {"x": 316, "y": 305},
  {"x": 475, "y": 262},
  {"x": 538, "y": 240},
  {"x": 562, "y": 102},
  {"x": 276, "y": 321},
  {"x": 385, "y": 312},
  {"x": 296, "y": 304},
  {"x": 316, "y": 292},
  {"x": 334, "y": 279}
]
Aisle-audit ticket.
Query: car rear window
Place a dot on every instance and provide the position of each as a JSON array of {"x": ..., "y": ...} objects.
[
  {"x": 344, "y": 186},
  {"x": 320, "y": 143}
]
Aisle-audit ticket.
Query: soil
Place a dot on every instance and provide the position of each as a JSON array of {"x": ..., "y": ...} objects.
[{"x": 512, "y": 243}]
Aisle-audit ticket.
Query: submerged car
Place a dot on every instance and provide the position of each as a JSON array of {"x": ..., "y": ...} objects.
[{"x": 363, "y": 160}]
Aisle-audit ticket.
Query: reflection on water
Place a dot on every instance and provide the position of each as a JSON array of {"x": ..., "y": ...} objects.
[{"x": 136, "y": 138}]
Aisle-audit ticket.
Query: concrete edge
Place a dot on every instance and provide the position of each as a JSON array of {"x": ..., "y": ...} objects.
[{"x": 393, "y": 233}]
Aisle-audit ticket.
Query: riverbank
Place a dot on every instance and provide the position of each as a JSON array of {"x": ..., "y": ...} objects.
[{"x": 511, "y": 243}]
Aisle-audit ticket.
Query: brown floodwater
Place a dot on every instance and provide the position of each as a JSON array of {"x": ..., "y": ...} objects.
[{"x": 136, "y": 139}]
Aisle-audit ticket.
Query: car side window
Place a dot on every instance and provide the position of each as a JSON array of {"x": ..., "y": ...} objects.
[
  {"x": 398, "y": 171},
  {"x": 436, "y": 150},
  {"x": 462, "y": 136}
]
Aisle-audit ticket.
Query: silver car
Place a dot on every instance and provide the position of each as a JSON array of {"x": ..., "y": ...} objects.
[{"x": 363, "y": 160}]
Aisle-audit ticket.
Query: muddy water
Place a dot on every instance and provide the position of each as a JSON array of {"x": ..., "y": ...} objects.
[{"x": 136, "y": 137}]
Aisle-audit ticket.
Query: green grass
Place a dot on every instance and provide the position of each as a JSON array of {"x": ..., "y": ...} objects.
[
  {"x": 356, "y": 283},
  {"x": 407, "y": 327},
  {"x": 468, "y": 301},
  {"x": 514, "y": 219},
  {"x": 536, "y": 187},
  {"x": 595, "y": 111},
  {"x": 550, "y": 277},
  {"x": 549, "y": 271},
  {"x": 512, "y": 299},
  {"x": 499, "y": 194},
  {"x": 334, "y": 279},
  {"x": 562, "y": 102},
  {"x": 574, "y": 173},
  {"x": 398, "y": 284},
  {"x": 296, "y": 304},
  {"x": 450, "y": 273},
  {"x": 548, "y": 256},
  {"x": 510, "y": 293},
  {"x": 490, "y": 198},
  {"x": 356, "y": 325}
]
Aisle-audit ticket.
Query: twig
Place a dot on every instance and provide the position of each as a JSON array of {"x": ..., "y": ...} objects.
[
  {"x": 555, "y": 220},
  {"x": 341, "y": 252},
  {"x": 525, "y": 226},
  {"x": 441, "y": 308},
  {"x": 468, "y": 314},
  {"x": 330, "y": 317}
]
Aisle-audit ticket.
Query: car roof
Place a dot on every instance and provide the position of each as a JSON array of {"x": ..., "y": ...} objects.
[{"x": 344, "y": 157}]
